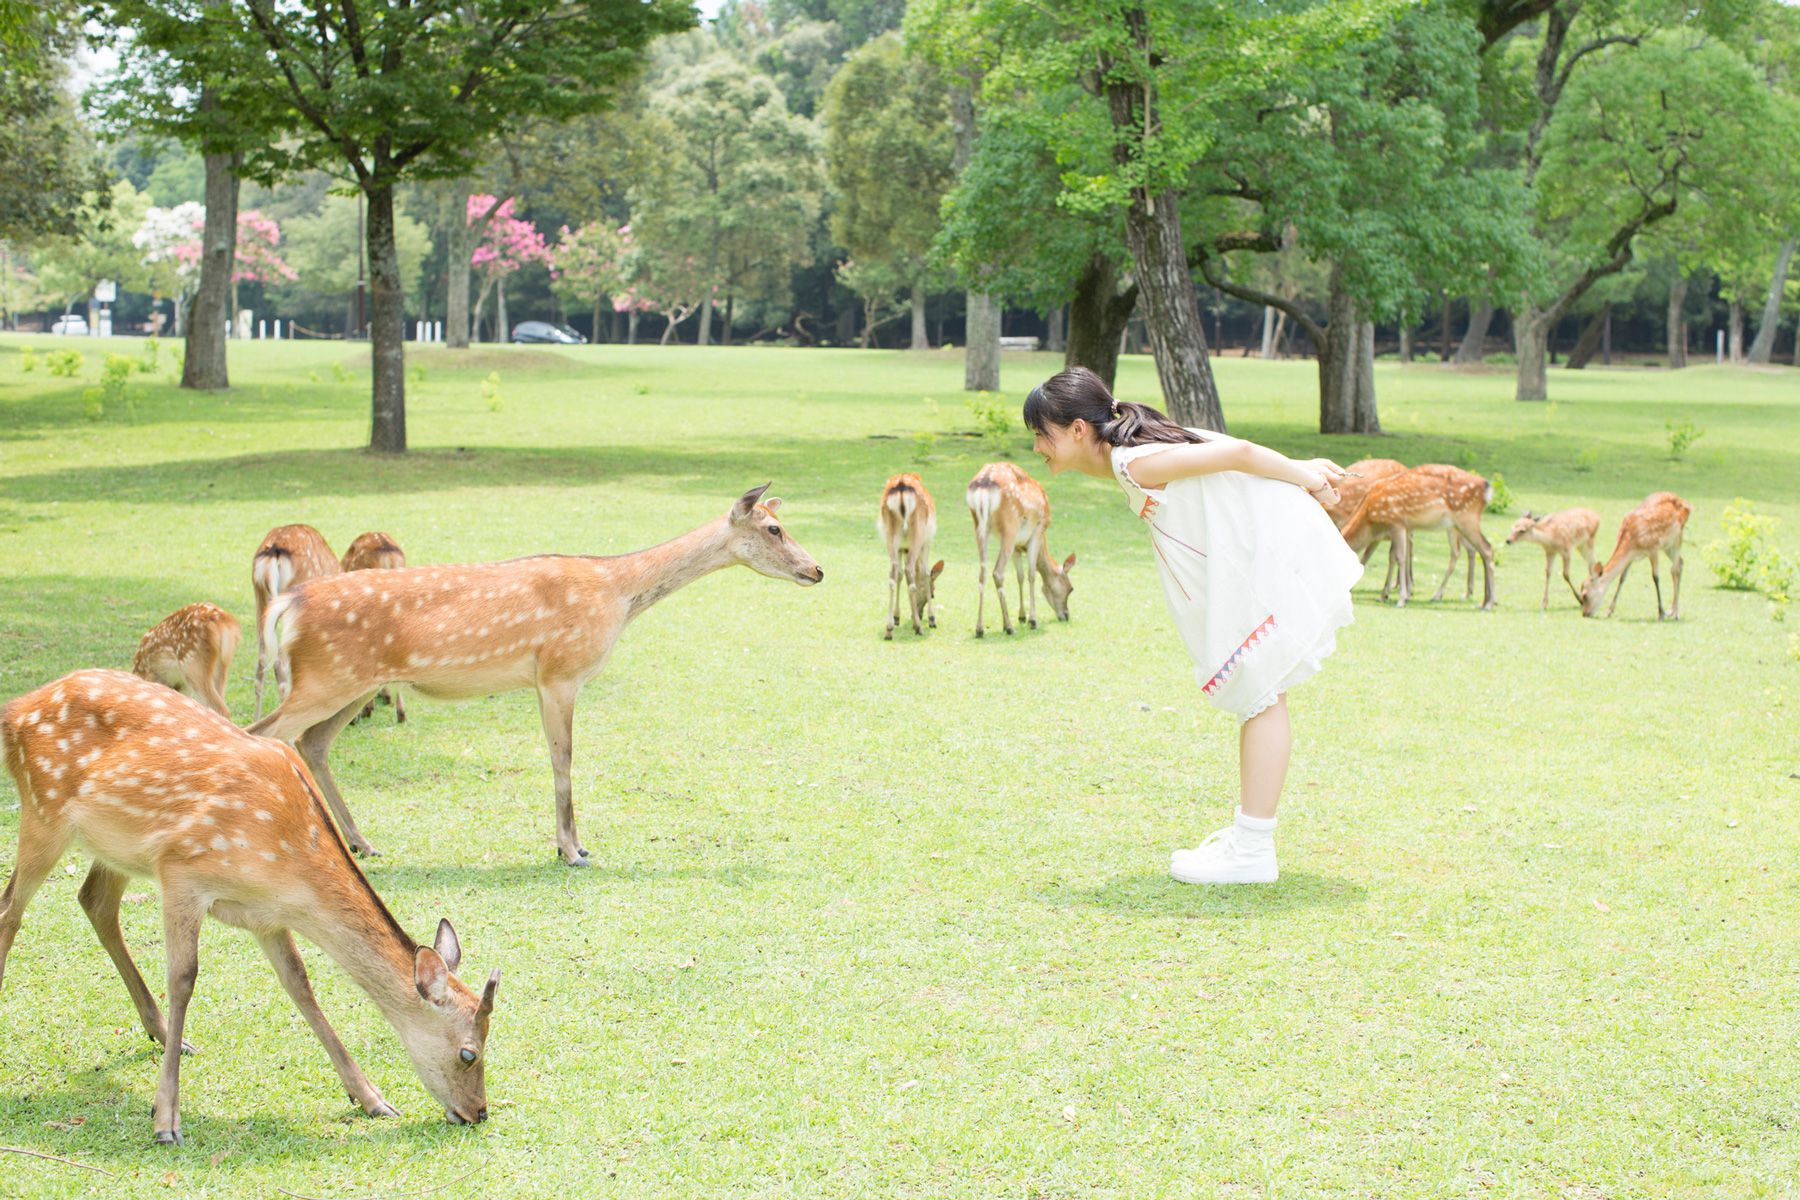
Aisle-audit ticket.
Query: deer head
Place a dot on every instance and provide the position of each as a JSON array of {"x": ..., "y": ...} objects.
[
  {"x": 446, "y": 1037},
  {"x": 1525, "y": 526},
  {"x": 760, "y": 543},
  {"x": 1056, "y": 584}
]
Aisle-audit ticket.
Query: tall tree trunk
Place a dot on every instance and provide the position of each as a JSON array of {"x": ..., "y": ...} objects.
[
  {"x": 730, "y": 312},
  {"x": 846, "y": 325},
  {"x": 1588, "y": 344},
  {"x": 1098, "y": 314},
  {"x": 1736, "y": 337},
  {"x": 462, "y": 247},
  {"x": 705, "y": 336},
  {"x": 1676, "y": 331},
  {"x": 631, "y": 324},
  {"x": 1172, "y": 310},
  {"x": 1531, "y": 327},
  {"x": 981, "y": 359},
  {"x": 596, "y": 331},
  {"x": 1406, "y": 347},
  {"x": 502, "y": 327},
  {"x": 1444, "y": 332},
  {"x": 1059, "y": 329},
  {"x": 1763, "y": 347},
  {"x": 1268, "y": 331},
  {"x": 1346, "y": 366},
  {"x": 203, "y": 367},
  {"x": 921, "y": 340},
  {"x": 1481, "y": 315},
  {"x": 387, "y": 325}
]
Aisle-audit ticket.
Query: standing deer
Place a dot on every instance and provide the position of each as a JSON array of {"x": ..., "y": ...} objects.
[
  {"x": 190, "y": 650},
  {"x": 1559, "y": 533},
  {"x": 1422, "y": 499},
  {"x": 289, "y": 554},
  {"x": 456, "y": 632},
  {"x": 374, "y": 551},
  {"x": 907, "y": 520},
  {"x": 228, "y": 824},
  {"x": 1654, "y": 526},
  {"x": 1010, "y": 506}
]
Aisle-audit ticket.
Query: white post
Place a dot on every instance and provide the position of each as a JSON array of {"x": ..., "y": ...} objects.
[
  {"x": 1719, "y": 358},
  {"x": 262, "y": 329},
  {"x": 278, "y": 329}
]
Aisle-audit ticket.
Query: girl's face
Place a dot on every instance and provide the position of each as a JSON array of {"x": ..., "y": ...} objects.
[{"x": 1074, "y": 447}]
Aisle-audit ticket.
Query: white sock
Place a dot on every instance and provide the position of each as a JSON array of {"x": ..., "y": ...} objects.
[{"x": 1256, "y": 833}]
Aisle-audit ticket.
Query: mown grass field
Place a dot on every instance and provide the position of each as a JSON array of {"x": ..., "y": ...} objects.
[{"x": 892, "y": 919}]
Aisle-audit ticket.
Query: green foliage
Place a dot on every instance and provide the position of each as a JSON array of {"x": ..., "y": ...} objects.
[
  {"x": 53, "y": 180},
  {"x": 65, "y": 364},
  {"x": 27, "y": 359},
  {"x": 1587, "y": 460},
  {"x": 1502, "y": 500},
  {"x": 152, "y": 350},
  {"x": 996, "y": 417},
  {"x": 1738, "y": 559},
  {"x": 1681, "y": 436},
  {"x": 490, "y": 392},
  {"x": 340, "y": 372}
]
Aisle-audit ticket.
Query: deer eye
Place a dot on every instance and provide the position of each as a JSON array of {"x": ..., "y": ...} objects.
[
  {"x": 468, "y": 1054},
  {"x": 775, "y": 531}
]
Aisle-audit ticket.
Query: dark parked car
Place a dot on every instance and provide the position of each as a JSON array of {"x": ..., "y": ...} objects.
[{"x": 544, "y": 331}]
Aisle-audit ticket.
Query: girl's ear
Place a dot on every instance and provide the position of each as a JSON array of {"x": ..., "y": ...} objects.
[{"x": 1078, "y": 428}]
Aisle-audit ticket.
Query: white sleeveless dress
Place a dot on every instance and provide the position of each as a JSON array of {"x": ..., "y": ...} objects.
[{"x": 1256, "y": 576}]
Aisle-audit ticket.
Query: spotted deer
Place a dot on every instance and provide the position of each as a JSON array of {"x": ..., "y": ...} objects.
[
  {"x": 228, "y": 825},
  {"x": 289, "y": 555},
  {"x": 1425, "y": 499},
  {"x": 375, "y": 551},
  {"x": 907, "y": 519},
  {"x": 190, "y": 650},
  {"x": 1558, "y": 533},
  {"x": 1011, "y": 510},
  {"x": 457, "y": 632},
  {"x": 1653, "y": 527}
]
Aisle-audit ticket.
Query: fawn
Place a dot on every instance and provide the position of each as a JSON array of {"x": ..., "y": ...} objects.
[
  {"x": 289, "y": 554},
  {"x": 229, "y": 825},
  {"x": 456, "y": 632},
  {"x": 1010, "y": 506},
  {"x": 374, "y": 551},
  {"x": 1653, "y": 527},
  {"x": 907, "y": 520},
  {"x": 1437, "y": 498},
  {"x": 1558, "y": 533},
  {"x": 190, "y": 650}
]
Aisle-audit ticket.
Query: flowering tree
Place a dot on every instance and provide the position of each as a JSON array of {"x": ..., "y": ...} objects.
[
  {"x": 592, "y": 265},
  {"x": 257, "y": 261},
  {"x": 169, "y": 240},
  {"x": 508, "y": 243}
]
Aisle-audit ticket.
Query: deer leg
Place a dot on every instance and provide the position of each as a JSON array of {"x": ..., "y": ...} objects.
[
  {"x": 1403, "y": 550},
  {"x": 290, "y": 968},
  {"x": 1006, "y": 620},
  {"x": 893, "y": 592},
  {"x": 399, "y": 697},
  {"x": 1675, "y": 574},
  {"x": 1388, "y": 580},
  {"x": 100, "y": 895},
  {"x": 1455, "y": 549},
  {"x": 1656, "y": 581},
  {"x": 556, "y": 704},
  {"x": 182, "y": 914},
  {"x": 41, "y": 842},
  {"x": 1617, "y": 588},
  {"x": 313, "y": 746},
  {"x": 1026, "y": 565},
  {"x": 1456, "y": 544},
  {"x": 1544, "y": 606},
  {"x": 1575, "y": 591},
  {"x": 915, "y": 590},
  {"x": 981, "y": 581}
]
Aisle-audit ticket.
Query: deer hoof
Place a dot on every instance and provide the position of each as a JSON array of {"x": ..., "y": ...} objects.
[
  {"x": 577, "y": 861},
  {"x": 887, "y": 635},
  {"x": 382, "y": 1109},
  {"x": 932, "y": 621},
  {"x": 1034, "y": 624},
  {"x": 977, "y": 631},
  {"x": 168, "y": 1137},
  {"x": 364, "y": 850}
]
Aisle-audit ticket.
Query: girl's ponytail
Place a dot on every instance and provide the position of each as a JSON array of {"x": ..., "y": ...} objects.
[{"x": 1078, "y": 394}]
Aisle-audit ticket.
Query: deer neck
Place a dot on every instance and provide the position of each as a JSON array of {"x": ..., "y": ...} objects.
[
  {"x": 353, "y": 926},
  {"x": 649, "y": 575},
  {"x": 1047, "y": 566}
]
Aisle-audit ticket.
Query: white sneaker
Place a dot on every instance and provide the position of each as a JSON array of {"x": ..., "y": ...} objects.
[{"x": 1225, "y": 857}]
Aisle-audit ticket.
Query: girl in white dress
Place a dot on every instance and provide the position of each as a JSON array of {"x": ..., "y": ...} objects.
[{"x": 1254, "y": 572}]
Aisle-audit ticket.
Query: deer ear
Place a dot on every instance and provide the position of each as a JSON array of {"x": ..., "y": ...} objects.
[
  {"x": 487, "y": 993},
  {"x": 448, "y": 945},
  {"x": 740, "y": 512},
  {"x": 1067, "y": 563},
  {"x": 430, "y": 976},
  {"x": 937, "y": 568},
  {"x": 772, "y": 503}
]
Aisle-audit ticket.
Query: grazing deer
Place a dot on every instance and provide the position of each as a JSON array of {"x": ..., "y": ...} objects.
[
  {"x": 289, "y": 554},
  {"x": 190, "y": 650},
  {"x": 1424, "y": 499},
  {"x": 907, "y": 520},
  {"x": 1559, "y": 533},
  {"x": 1010, "y": 506},
  {"x": 376, "y": 552},
  {"x": 229, "y": 825},
  {"x": 1654, "y": 526},
  {"x": 455, "y": 632}
]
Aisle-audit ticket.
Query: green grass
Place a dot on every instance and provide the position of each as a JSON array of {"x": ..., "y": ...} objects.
[{"x": 891, "y": 919}]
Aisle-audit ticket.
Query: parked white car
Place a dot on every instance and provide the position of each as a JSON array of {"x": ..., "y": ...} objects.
[{"x": 72, "y": 323}]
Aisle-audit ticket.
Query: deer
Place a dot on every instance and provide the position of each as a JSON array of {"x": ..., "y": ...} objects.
[
  {"x": 1424, "y": 499},
  {"x": 289, "y": 555},
  {"x": 1010, "y": 507},
  {"x": 457, "y": 632},
  {"x": 228, "y": 825},
  {"x": 1558, "y": 533},
  {"x": 190, "y": 650},
  {"x": 1653, "y": 527},
  {"x": 375, "y": 551},
  {"x": 907, "y": 520}
]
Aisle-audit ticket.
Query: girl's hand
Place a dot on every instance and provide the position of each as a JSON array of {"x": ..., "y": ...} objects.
[
  {"x": 1325, "y": 467},
  {"x": 1320, "y": 488}
]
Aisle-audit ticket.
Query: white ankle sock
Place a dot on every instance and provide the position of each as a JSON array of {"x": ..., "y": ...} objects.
[{"x": 1255, "y": 832}]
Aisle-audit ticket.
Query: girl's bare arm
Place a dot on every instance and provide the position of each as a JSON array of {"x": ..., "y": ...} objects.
[{"x": 1230, "y": 454}]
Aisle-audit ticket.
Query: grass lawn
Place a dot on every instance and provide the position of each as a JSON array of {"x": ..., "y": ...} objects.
[{"x": 893, "y": 919}]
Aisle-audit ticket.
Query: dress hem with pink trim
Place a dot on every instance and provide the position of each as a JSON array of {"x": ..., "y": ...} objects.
[{"x": 1256, "y": 577}]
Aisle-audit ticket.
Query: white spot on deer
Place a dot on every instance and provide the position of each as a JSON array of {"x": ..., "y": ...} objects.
[
  {"x": 263, "y": 814},
  {"x": 219, "y": 843},
  {"x": 268, "y": 855},
  {"x": 50, "y": 793},
  {"x": 350, "y": 617}
]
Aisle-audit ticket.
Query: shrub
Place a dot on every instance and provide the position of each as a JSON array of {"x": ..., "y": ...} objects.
[
  {"x": 1503, "y": 499},
  {"x": 1743, "y": 560},
  {"x": 27, "y": 359},
  {"x": 152, "y": 348},
  {"x": 490, "y": 391},
  {"x": 994, "y": 417},
  {"x": 66, "y": 363},
  {"x": 1587, "y": 460},
  {"x": 1682, "y": 436}
]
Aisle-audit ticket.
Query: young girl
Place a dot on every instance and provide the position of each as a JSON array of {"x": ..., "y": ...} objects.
[{"x": 1256, "y": 576}]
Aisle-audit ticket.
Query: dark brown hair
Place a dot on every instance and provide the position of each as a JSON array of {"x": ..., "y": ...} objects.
[{"x": 1078, "y": 394}]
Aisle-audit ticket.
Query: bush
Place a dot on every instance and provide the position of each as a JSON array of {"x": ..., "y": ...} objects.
[
  {"x": 1502, "y": 500},
  {"x": 1742, "y": 560},
  {"x": 65, "y": 363},
  {"x": 1587, "y": 460},
  {"x": 152, "y": 347},
  {"x": 490, "y": 392},
  {"x": 995, "y": 418},
  {"x": 27, "y": 359},
  {"x": 1682, "y": 436},
  {"x": 112, "y": 389}
]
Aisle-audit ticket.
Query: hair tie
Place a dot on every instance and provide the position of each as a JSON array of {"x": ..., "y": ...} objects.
[{"x": 1116, "y": 413}]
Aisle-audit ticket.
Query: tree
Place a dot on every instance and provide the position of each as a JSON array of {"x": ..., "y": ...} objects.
[
  {"x": 507, "y": 245},
  {"x": 592, "y": 265},
  {"x": 168, "y": 239},
  {"x": 51, "y": 171},
  {"x": 377, "y": 93},
  {"x": 732, "y": 212},
  {"x": 322, "y": 249},
  {"x": 70, "y": 267},
  {"x": 888, "y": 150}
]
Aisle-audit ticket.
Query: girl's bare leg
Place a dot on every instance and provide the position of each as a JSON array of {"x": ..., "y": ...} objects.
[{"x": 1264, "y": 743}]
